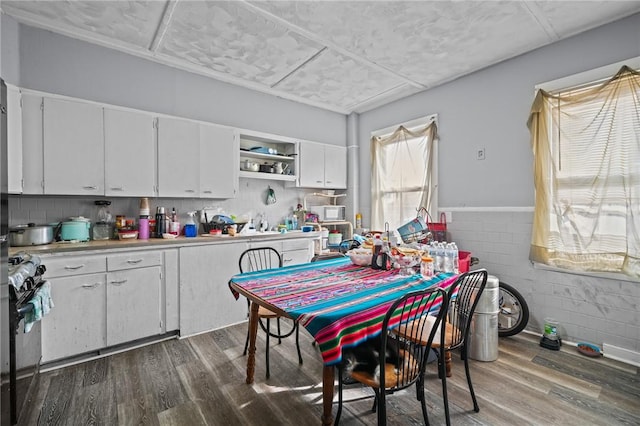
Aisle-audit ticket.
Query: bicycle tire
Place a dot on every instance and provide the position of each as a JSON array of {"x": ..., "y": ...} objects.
[{"x": 522, "y": 315}]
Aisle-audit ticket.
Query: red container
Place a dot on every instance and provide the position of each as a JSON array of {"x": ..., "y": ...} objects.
[{"x": 464, "y": 261}]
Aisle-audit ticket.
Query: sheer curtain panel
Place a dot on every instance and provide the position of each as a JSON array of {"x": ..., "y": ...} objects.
[
  {"x": 586, "y": 147},
  {"x": 402, "y": 174}
]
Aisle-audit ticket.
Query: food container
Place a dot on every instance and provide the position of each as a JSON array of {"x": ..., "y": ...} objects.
[
  {"x": 335, "y": 238},
  {"x": 360, "y": 257},
  {"x": 127, "y": 234},
  {"x": 30, "y": 235}
]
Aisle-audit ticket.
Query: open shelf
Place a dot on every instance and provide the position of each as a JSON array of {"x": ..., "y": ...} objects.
[
  {"x": 270, "y": 176},
  {"x": 261, "y": 156}
]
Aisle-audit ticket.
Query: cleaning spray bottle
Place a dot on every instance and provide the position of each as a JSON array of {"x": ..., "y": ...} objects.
[{"x": 191, "y": 227}]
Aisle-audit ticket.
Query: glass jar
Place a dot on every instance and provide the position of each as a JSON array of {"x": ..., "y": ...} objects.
[{"x": 426, "y": 267}]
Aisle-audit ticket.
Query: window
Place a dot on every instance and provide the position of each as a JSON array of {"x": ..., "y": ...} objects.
[
  {"x": 586, "y": 144},
  {"x": 403, "y": 172}
]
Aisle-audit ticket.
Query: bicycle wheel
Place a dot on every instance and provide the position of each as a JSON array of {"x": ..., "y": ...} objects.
[{"x": 514, "y": 312}]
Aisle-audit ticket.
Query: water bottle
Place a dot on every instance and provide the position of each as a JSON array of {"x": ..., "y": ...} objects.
[
  {"x": 440, "y": 257},
  {"x": 447, "y": 261},
  {"x": 456, "y": 259}
]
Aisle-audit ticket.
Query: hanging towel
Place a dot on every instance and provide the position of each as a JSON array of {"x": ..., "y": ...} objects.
[{"x": 41, "y": 303}]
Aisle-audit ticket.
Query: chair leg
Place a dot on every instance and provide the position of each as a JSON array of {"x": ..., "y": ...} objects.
[
  {"x": 279, "y": 333},
  {"x": 266, "y": 350},
  {"x": 382, "y": 407},
  {"x": 337, "y": 420},
  {"x": 421, "y": 398},
  {"x": 443, "y": 376},
  {"x": 298, "y": 343},
  {"x": 476, "y": 408},
  {"x": 374, "y": 407}
]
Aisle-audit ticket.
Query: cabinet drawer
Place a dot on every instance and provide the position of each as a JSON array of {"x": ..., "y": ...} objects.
[
  {"x": 68, "y": 266},
  {"x": 132, "y": 260},
  {"x": 301, "y": 244},
  {"x": 295, "y": 257}
]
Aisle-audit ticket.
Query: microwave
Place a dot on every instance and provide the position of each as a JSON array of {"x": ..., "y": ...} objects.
[{"x": 329, "y": 213}]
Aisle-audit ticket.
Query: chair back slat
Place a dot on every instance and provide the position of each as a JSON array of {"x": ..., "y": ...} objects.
[
  {"x": 410, "y": 322},
  {"x": 260, "y": 258},
  {"x": 464, "y": 296}
]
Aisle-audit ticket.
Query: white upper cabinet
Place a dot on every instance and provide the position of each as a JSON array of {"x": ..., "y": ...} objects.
[
  {"x": 322, "y": 166},
  {"x": 335, "y": 167},
  {"x": 178, "y": 157},
  {"x": 219, "y": 156},
  {"x": 32, "y": 149},
  {"x": 73, "y": 148},
  {"x": 130, "y": 153},
  {"x": 14, "y": 140}
]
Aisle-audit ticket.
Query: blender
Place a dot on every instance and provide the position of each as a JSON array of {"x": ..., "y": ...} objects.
[{"x": 102, "y": 229}]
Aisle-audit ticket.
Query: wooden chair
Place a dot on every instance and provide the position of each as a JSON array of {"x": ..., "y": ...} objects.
[
  {"x": 424, "y": 311},
  {"x": 463, "y": 296},
  {"x": 258, "y": 259}
]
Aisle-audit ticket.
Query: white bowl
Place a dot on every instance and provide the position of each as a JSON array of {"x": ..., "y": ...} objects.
[{"x": 360, "y": 257}]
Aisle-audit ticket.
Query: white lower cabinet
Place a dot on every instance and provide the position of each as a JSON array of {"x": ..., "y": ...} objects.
[
  {"x": 101, "y": 301},
  {"x": 206, "y": 303},
  {"x": 135, "y": 295},
  {"x": 77, "y": 322}
]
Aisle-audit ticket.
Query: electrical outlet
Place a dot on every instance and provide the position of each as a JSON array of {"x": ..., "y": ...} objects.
[{"x": 480, "y": 154}]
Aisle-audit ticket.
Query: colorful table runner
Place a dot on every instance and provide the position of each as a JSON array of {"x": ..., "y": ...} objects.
[{"x": 339, "y": 303}]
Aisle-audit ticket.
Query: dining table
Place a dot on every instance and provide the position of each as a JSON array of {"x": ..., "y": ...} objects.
[{"x": 340, "y": 304}]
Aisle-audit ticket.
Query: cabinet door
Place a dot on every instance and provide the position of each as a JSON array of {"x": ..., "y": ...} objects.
[
  {"x": 32, "y": 148},
  {"x": 14, "y": 140},
  {"x": 73, "y": 148},
  {"x": 130, "y": 153},
  {"x": 219, "y": 156},
  {"x": 133, "y": 304},
  {"x": 311, "y": 165},
  {"x": 335, "y": 167},
  {"x": 206, "y": 303},
  {"x": 77, "y": 322},
  {"x": 178, "y": 157}
]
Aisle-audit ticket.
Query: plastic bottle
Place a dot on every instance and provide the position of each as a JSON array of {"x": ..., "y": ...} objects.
[
  {"x": 377, "y": 249},
  {"x": 358, "y": 220},
  {"x": 191, "y": 228},
  {"x": 456, "y": 258},
  {"x": 174, "y": 225},
  {"x": 439, "y": 257},
  {"x": 448, "y": 258}
]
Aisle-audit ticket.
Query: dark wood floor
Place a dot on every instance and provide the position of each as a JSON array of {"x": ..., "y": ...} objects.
[{"x": 200, "y": 381}]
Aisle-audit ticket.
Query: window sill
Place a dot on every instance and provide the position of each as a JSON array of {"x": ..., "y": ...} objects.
[{"x": 601, "y": 275}]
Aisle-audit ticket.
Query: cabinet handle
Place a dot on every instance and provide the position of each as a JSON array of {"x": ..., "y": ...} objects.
[
  {"x": 318, "y": 181},
  {"x": 190, "y": 191},
  {"x": 90, "y": 286},
  {"x": 117, "y": 188},
  {"x": 90, "y": 187},
  {"x": 207, "y": 192},
  {"x": 329, "y": 181},
  {"x": 73, "y": 268},
  {"x": 287, "y": 260},
  {"x": 118, "y": 282},
  {"x": 133, "y": 262}
]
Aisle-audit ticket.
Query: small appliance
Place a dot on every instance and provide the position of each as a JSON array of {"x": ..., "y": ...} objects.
[{"x": 329, "y": 213}]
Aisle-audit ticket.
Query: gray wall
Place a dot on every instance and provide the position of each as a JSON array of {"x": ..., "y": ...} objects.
[
  {"x": 9, "y": 51},
  {"x": 492, "y": 200}
]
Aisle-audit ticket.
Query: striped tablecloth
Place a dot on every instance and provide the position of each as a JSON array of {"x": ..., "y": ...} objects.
[{"x": 339, "y": 303}]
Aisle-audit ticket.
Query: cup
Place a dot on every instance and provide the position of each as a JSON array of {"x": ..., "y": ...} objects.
[{"x": 143, "y": 228}]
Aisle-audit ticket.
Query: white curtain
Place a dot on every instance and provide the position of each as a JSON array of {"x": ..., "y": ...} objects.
[
  {"x": 586, "y": 146},
  {"x": 401, "y": 175}
]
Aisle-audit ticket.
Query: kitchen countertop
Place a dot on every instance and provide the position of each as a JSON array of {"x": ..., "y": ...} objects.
[{"x": 62, "y": 247}]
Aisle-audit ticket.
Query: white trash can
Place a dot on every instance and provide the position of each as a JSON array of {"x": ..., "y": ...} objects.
[{"x": 483, "y": 334}]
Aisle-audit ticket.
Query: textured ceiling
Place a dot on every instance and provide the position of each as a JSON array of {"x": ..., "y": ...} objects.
[{"x": 342, "y": 56}]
